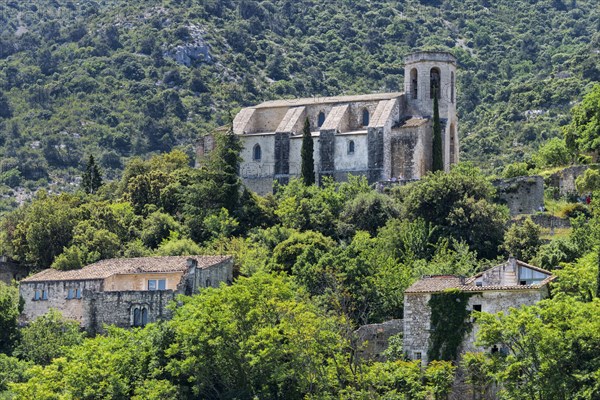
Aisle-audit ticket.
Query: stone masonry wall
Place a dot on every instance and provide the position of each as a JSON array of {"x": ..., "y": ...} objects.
[
  {"x": 215, "y": 275},
  {"x": 57, "y": 293},
  {"x": 10, "y": 271},
  {"x": 372, "y": 340},
  {"x": 417, "y": 322},
  {"x": 522, "y": 195},
  {"x": 564, "y": 180},
  {"x": 115, "y": 308}
]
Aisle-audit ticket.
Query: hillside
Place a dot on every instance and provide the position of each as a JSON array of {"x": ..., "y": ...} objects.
[{"x": 118, "y": 79}]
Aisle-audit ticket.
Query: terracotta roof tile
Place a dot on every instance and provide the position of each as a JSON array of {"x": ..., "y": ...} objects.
[
  {"x": 116, "y": 266},
  {"x": 328, "y": 100},
  {"x": 413, "y": 122},
  {"x": 434, "y": 283}
]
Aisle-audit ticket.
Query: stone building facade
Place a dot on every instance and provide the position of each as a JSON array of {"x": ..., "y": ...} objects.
[
  {"x": 522, "y": 195},
  {"x": 122, "y": 292},
  {"x": 380, "y": 136},
  {"x": 511, "y": 284}
]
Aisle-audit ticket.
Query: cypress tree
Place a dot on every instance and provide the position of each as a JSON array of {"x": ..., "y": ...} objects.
[
  {"x": 224, "y": 167},
  {"x": 598, "y": 277},
  {"x": 308, "y": 162},
  {"x": 92, "y": 178},
  {"x": 438, "y": 155}
]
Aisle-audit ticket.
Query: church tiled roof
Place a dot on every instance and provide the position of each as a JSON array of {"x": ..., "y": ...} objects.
[
  {"x": 117, "y": 266},
  {"x": 328, "y": 100}
]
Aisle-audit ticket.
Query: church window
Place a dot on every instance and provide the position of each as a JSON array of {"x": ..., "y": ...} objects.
[
  {"x": 321, "y": 119},
  {"x": 435, "y": 83},
  {"x": 144, "y": 316},
  {"x": 365, "y": 117},
  {"x": 257, "y": 153},
  {"x": 351, "y": 147},
  {"x": 414, "y": 83},
  {"x": 452, "y": 87},
  {"x": 137, "y": 320}
]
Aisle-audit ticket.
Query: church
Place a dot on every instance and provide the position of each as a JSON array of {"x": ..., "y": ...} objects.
[{"x": 384, "y": 136}]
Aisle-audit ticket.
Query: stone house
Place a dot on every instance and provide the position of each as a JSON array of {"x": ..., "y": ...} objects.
[
  {"x": 511, "y": 284},
  {"x": 123, "y": 292},
  {"x": 380, "y": 136}
]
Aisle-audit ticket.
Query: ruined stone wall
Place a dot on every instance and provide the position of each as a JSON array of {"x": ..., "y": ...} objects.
[
  {"x": 214, "y": 275},
  {"x": 10, "y": 271},
  {"x": 410, "y": 152},
  {"x": 564, "y": 180},
  {"x": 417, "y": 323},
  {"x": 57, "y": 293},
  {"x": 522, "y": 195},
  {"x": 115, "y": 308},
  {"x": 372, "y": 340}
]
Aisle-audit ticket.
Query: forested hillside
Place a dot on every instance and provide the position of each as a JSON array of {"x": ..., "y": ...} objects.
[{"x": 113, "y": 77}]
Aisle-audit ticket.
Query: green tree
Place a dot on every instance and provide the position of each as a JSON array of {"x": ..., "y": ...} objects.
[
  {"x": 522, "y": 240},
  {"x": 10, "y": 308},
  {"x": 224, "y": 167},
  {"x": 437, "y": 150},
  {"x": 369, "y": 211},
  {"x": 308, "y": 162},
  {"x": 459, "y": 205},
  {"x": 12, "y": 370},
  {"x": 92, "y": 178},
  {"x": 440, "y": 377},
  {"x": 553, "y": 153},
  {"x": 48, "y": 337},
  {"x": 583, "y": 133}
]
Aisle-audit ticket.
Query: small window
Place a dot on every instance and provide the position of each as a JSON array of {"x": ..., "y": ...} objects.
[
  {"x": 321, "y": 119},
  {"x": 257, "y": 153},
  {"x": 37, "y": 295},
  {"x": 418, "y": 355},
  {"x": 477, "y": 307},
  {"x": 78, "y": 293},
  {"x": 207, "y": 283},
  {"x": 523, "y": 283},
  {"x": 137, "y": 317},
  {"x": 44, "y": 295},
  {"x": 144, "y": 317},
  {"x": 365, "y": 117},
  {"x": 435, "y": 83},
  {"x": 70, "y": 294},
  {"x": 157, "y": 284},
  {"x": 414, "y": 82},
  {"x": 479, "y": 283},
  {"x": 351, "y": 147}
]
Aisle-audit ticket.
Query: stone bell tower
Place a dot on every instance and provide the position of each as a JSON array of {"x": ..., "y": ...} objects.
[{"x": 426, "y": 73}]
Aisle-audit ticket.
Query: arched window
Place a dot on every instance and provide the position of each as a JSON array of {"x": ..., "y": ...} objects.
[
  {"x": 365, "y": 117},
  {"x": 351, "y": 147},
  {"x": 144, "y": 316},
  {"x": 414, "y": 83},
  {"x": 137, "y": 320},
  {"x": 257, "y": 153},
  {"x": 452, "y": 87},
  {"x": 435, "y": 83},
  {"x": 321, "y": 119}
]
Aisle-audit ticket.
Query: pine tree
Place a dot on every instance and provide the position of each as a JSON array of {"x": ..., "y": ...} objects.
[
  {"x": 308, "y": 162},
  {"x": 92, "y": 178},
  {"x": 438, "y": 156}
]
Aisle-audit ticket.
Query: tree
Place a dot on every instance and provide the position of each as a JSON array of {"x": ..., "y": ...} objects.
[
  {"x": 92, "y": 178},
  {"x": 224, "y": 167},
  {"x": 459, "y": 205},
  {"x": 10, "y": 308},
  {"x": 583, "y": 133},
  {"x": 308, "y": 162},
  {"x": 437, "y": 150},
  {"x": 48, "y": 337},
  {"x": 5, "y": 109},
  {"x": 523, "y": 240}
]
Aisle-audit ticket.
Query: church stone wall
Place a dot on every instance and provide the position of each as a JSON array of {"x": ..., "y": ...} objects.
[
  {"x": 296, "y": 155},
  {"x": 355, "y": 162}
]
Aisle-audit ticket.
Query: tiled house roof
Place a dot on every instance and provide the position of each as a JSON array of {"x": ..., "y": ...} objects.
[
  {"x": 438, "y": 283},
  {"x": 434, "y": 283},
  {"x": 117, "y": 266}
]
